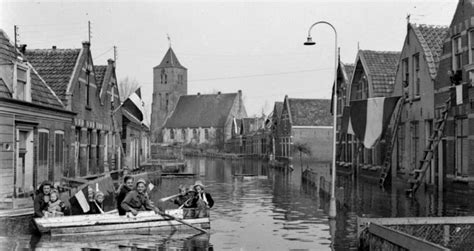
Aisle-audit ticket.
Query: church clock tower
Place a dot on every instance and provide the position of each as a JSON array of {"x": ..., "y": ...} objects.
[{"x": 170, "y": 81}]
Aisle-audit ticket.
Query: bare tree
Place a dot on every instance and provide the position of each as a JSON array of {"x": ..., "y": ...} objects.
[{"x": 126, "y": 87}]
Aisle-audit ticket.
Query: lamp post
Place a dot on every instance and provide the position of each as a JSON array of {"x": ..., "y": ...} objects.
[{"x": 309, "y": 41}]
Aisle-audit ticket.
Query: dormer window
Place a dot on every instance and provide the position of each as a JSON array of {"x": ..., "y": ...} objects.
[{"x": 22, "y": 82}]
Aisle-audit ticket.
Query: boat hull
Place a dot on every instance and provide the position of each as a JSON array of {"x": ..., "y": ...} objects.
[{"x": 144, "y": 222}]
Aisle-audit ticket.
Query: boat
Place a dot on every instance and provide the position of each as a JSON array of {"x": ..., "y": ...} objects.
[{"x": 96, "y": 224}]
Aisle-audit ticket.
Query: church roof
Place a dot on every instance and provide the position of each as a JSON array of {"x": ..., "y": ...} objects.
[
  {"x": 210, "y": 110},
  {"x": 170, "y": 61}
]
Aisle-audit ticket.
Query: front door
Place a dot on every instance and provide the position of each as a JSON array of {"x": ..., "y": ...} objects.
[{"x": 24, "y": 162}]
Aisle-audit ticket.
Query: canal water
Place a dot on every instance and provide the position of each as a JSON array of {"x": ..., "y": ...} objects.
[{"x": 258, "y": 207}]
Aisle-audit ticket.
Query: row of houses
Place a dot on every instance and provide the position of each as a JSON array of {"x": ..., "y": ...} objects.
[
  {"x": 434, "y": 75},
  {"x": 295, "y": 126},
  {"x": 61, "y": 116}
]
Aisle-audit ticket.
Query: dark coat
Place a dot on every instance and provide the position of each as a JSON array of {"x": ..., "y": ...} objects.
[
  {"x": 209, "y": 199},
  {"x": 94, "y": 207},
  {"x": 40, "y": 205},
  {"x": 121, "y": 193},
  {"x": 137, "y": 201}
]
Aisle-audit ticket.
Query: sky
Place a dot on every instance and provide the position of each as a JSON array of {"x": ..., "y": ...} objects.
[{"x": 256, "y": 47}]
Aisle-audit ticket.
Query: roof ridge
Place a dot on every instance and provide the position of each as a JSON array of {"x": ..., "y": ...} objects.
[{"x": 386, "y": 52}]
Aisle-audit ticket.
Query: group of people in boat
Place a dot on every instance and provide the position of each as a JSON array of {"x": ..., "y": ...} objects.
[{"x": 130, "y": 197}]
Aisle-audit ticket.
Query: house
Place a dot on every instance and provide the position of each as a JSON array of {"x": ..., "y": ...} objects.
[
  {"x": 96, "y": 129},
  {"x": 170, "y": 81},
  {"x": 254, "y": 136},
  {"x": 204, "y": 119},
  {"x": 344, "y": 141},
  {"x": 415, "y": 81},
  {"x": 135, "y": 134},
  {"x": 274, "y": 119},
  {"x": 34, "y": 129},
  {"x": 455, "y": 79},
  {"x": 373, "y": 76},
  {"x": 308, "y": 123}
]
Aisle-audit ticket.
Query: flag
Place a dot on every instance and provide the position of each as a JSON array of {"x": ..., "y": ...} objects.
[
  {"x": 370, "y": 117},
  {"x": 346, "y": 126},
  {"x": 459, "y": 94},
  {"x": 80, "y": 200},
  {"x": 135, "y": 105}
]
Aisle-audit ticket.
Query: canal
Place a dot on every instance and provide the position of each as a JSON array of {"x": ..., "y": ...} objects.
[{"x": 268, "y": 209}]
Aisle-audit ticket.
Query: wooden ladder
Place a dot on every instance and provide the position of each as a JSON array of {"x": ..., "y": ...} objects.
[
  {"x": 388, "y": 152},
  {"x": 419, "y": 173}
]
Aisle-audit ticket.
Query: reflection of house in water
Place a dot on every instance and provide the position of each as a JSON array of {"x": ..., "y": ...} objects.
[{"x": 34, "y": 129}]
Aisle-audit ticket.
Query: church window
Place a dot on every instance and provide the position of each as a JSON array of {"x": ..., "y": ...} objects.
[{"x": 167, "y": 101}]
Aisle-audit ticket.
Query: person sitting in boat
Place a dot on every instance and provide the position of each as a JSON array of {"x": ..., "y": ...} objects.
[
  {"x": 138, "y": 200},
  {"x": 202, "y": 200},
  {"x": 183, "y": 196},
  {"x": 122, "y": 191},
  {"x": 42, "y": 198},
  {"x": 97, "y": 206},
  {"x": 55, "y": 206}
]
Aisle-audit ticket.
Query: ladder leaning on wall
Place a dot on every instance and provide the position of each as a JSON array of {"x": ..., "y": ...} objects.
[{"x": 419, "y": 173}]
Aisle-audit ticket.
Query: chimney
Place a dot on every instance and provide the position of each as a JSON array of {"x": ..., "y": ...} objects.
[
  {"x": 218, "y": 93},
  {"x": 199, "y": 94},
  {"x": 54, "y": 47},
  {"x": 22, "y": 48},
  {"x": 110, "y": 62},
  {"x": 86, "y": 44}
]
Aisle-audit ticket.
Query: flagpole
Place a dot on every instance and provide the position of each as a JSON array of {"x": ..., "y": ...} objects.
[{"x": 332, "y": 202}]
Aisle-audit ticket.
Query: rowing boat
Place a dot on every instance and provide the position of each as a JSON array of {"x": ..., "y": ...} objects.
[{"x": 93, "y": 224}]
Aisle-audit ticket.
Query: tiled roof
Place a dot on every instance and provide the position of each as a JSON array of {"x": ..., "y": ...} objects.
[
  {"x": 209, "y": 110},
  {"x": 99, "y": 71},
  {"x": 41, "y": 93},
  {"x": 310, "y": 112},
  {"x": 381, "y": 67},
  {"x": 431, "y": 38},
  {"x": 349, "y": 69},
  {"x": 170, "y": 60},
  {"x": 55, "y": 66}
]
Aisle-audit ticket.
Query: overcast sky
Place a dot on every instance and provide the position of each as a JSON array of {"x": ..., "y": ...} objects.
[{"x": 256, "y": 47}]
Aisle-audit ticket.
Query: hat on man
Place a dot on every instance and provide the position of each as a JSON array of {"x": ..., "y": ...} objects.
[
  {"x": 141, "y": 181},
  {"x": 99, "y": 193},
  {"x": 198, "y": 183}
]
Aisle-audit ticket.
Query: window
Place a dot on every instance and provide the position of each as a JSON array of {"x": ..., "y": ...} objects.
[
  {"x": 195, "y": 133},
  {"x": 166, "y": 79},
  {"x": 416, "y": 74},
  {"x": 206, "y": 134},
  {"x": 415, "y": 135},
  {"x": 89, "y": 151},
  {"x": 43, "y": 160},
  {"x": 112, "y": 90},
  {"x": 167, "y": 101},
  {"x": 171, "y": 134},
  {"x": 405, "y": 72},
  {"x": 98, "y": 146},
  {"x": 457, "y": 53},
  {"x": 471, "y": 46},
  {"x": 162, "y": 78},
  {"x": 58, "y": 153},
  {"x": 22, "y": 83},
  {"x": 462, "y": 146},
  {"x": 183, "y": 133},
  {"x": 400, "y": 146},
  {"x": 88, "y": 85}
]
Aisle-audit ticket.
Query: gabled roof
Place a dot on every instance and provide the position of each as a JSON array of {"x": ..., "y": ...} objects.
[
  {"x": 431, "y": 38},
  {"x": 55, "y": 66},
  {"x": 278, "y": 108},
  {"x": 170, "y": 61},
  {"x": 202, "y": 110},
  {"x": 99, "y": 71},
  {"x": 41, "y": 93},
  {"x": 381, "y": 67},
  {"x": 310, "y": 112},
  {"x": 348, "y": 70}
]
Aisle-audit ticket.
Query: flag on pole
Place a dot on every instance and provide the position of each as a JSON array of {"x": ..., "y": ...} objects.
[
  {"x": 369, "y": 118},
  {"x": 79, "y": 200},
  {"x": 135, "y": 105},
  {"x": 459, "y": 94},
  {"x": 346, "y": 126}
]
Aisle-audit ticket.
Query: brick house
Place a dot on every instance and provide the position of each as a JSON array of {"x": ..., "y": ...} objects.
[
  {"x": 373, "y": 76},
  {"x": 204, "y": 119},
  {"x": 305, "y": 122},
  {"x": 344, "y": 142},
  {"x": 96, "y": 126},
  {"x": 456, "y": 72},
  {"x": 34, "y": 129},
  {"x": 415, "y": 78}
]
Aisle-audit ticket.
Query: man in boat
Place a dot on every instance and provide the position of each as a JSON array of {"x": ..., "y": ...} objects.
[
  {"x": 122, "y": 191},
  {"x": 42, "y": 198},
  {"x": 202, "y": 200},
  {"x": 138, "y": 200}
]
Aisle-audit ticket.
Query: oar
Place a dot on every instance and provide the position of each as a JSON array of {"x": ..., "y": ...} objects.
[
  {"x": 183, "y": 222},
  {"x": 169, "y": 197},
  {"x": 185, "y": 203}
]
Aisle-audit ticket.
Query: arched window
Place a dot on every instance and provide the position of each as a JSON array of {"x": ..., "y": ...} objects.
[
  {"x": 166, "y": 79},
  {"x": 171, "y": 134},
  {"x": 167, "y": 101}
]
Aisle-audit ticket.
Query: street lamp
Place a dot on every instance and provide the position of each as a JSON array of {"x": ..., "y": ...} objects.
[{"x": 309, "y": 41}]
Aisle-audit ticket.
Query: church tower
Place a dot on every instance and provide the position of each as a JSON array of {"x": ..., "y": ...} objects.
[{"x": 170, "y": 81}]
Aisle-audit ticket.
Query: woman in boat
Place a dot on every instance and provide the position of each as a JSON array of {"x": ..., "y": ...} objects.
[
  {"x": 42, "y": 198},
  {"x": 138, "y": 200},
  {"x": 182, "y": 197},
  {"x": 97, "y": 207},
  {"x": 55, "y": 206},
  {"x": 122, "y": 191},
  {"x": 202, "y": 200}
]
